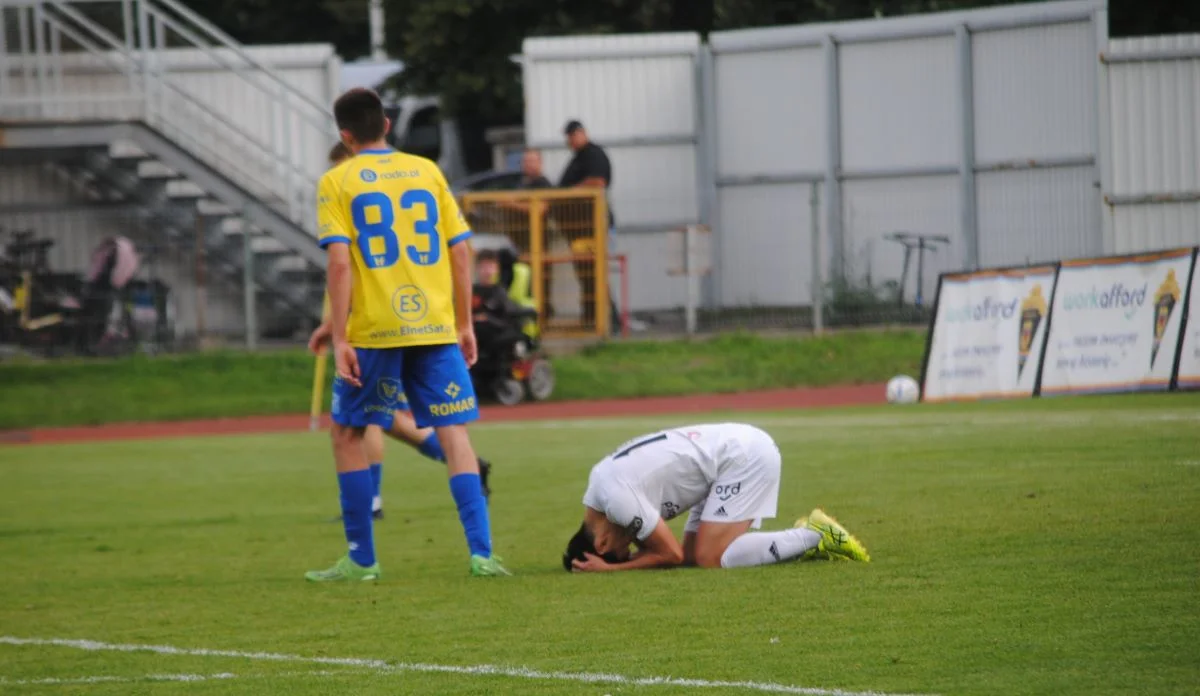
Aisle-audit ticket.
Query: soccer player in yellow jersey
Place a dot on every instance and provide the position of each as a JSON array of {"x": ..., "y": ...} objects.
[
  {"x": 398, "y": 253},
  {"x": 403, "y": 427}
]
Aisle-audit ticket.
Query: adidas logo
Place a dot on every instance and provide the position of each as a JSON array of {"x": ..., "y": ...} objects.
[
  {"x": 775, "y": 552},
  {"x": 721, "y": 512}
]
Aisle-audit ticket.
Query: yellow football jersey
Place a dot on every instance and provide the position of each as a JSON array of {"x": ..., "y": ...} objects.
[{"x": 398, "y": 216}]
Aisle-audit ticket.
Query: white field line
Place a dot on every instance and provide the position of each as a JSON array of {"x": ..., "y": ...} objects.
[
  {"x": 910, "y": 419},
  {"x": 222, "y": 676},
  {"x": 474, "y": 670}
]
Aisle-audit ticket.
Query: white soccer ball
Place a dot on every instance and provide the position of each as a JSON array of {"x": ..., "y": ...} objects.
[{"x": 903, "y": 389}]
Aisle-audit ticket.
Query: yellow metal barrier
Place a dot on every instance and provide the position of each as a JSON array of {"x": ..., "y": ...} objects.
[{"x": 555, "y": 231}]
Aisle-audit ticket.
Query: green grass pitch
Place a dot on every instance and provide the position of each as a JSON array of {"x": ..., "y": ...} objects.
[{"x": 1046, "y": 547}]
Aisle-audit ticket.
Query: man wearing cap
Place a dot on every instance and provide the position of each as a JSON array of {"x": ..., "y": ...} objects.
[{"x": 589, "y": 168}]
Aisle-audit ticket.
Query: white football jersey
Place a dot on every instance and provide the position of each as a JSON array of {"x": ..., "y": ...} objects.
[{"x": 662, "y": 475}]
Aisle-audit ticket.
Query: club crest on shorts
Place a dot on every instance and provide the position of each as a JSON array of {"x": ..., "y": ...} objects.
[
  {"x": 389, "y": 390},
  {"x": 635, "y": 526}
]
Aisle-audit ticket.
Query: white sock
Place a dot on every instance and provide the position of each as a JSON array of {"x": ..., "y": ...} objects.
[
  {"x": 377, "y": 503},
  {"x": 762, "y": 548}
]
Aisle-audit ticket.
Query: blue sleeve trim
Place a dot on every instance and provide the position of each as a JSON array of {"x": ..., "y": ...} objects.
[
  {"x": 334, "y": 240},
  {"x": 460, "y": 238}
]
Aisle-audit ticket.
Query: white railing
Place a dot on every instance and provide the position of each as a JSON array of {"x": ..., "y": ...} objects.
[{"x": 139, "y": 60}]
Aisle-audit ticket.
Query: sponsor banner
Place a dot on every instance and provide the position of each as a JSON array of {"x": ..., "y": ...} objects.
[
  {"x": 1189, "y": 359},
  {"x": 988, "y": 334},
  {"x": 1116, "y": 324}
]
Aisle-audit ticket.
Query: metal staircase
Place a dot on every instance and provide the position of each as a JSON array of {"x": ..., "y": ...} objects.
[{"x": 92, "y": 85}]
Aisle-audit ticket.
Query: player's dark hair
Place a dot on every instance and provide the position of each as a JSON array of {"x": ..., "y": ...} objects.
[
  {"x": 487, "y": 255},
  {"x": 339, "y": 152},
  {"x": 360, "y": 112},
  {"x": 583, "y": 543}
]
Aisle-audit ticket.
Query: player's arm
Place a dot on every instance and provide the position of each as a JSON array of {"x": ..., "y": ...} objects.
[
  {"x": 658, "y": 550},
  {"x": 335, "y": 235},
  {"x": 457, "y": 234},
  {"x": 460, "y": 272}
]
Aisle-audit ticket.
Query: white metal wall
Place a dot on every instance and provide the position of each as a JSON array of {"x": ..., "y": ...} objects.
[
  {"x": 980, "y": 126},
  {"x": 1154, "y": 116},
  {"x": 637, "y": 97},
  {"x": 1034, "y": 106}
]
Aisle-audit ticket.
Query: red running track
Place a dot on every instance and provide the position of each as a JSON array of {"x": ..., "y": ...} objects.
[{"x": 778, "y": 399}]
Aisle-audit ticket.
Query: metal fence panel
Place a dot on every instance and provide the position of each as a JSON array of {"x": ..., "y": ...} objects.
[
  {"x": 771, "y": 112},
  {"x": 620, "y": 86},
  {"x": 1035, "y": 215},
  {"x": 874, "y": 208},
  {"x": 898, "y": 104},
  {"x": 1154, "y": 108},
  {"x": 766, "y": 247},
  {"x": 1035, "y": 92},
  {"x": 1153, "y": 226}
]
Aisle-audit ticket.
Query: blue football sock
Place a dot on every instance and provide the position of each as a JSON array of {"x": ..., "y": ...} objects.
[
  {"x": 473, "y": 512},
  {"x": 432, "y": 448},
  {"x": 355, "y": 487},
  {"x": 376, "y": 477}
]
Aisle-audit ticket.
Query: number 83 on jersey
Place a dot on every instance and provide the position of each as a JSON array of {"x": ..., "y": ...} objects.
[{"x": 374, "y": 215}]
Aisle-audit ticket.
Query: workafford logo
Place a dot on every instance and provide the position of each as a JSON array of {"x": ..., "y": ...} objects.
[
  {"x": 1116, "y": 297},
  {"x": 990, "y": 309},
  {"x": 1165, "y": 299},
  {"x": 1033, "y": 310}
]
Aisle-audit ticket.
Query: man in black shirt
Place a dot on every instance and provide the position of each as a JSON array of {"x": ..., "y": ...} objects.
[{"x": 588, "y": 168}]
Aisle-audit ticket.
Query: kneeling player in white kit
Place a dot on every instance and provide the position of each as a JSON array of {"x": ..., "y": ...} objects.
[{"x": 726, "y": 475}]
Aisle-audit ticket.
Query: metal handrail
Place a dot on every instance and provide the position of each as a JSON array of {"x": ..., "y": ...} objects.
[
  {"x": 227, "y": 41},
  {"x": 294, "y": 197}
]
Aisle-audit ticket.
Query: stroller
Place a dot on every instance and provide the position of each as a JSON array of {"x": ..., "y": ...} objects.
[
  {"x": 511, "y": 363},
  {"x": 56, "y": 311}
]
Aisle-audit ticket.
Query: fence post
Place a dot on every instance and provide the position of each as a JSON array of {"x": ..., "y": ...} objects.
[
  {"x": 968, "y": 200},
  {"x": 248, "y": 288},
  {"x": 600, "y": 261},
  {"x": 833, "y": 156},
  {"x": 818, "y": 281},
  {"x": 536, "y": 244},
  {"x": 689, "y": 274}
]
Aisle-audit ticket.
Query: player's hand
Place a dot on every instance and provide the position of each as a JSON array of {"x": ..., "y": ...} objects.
[
  {"x": 346, "y": 360},
  {"x": 319, "y": 340},
  {"x": 466, "y": 342},
  {"x": 591, "y": 564}
]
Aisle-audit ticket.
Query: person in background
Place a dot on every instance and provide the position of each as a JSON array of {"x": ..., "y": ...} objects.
[
  {"x": 589, "y": 167},
  {"x": 398, "y": 322},
  {"x": 403, "y": 428},
  {"x": 494, "y": 306}
]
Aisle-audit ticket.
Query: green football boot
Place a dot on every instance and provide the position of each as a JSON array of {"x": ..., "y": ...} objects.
[
  {"x": 487, "y": 567},
  {"x": 344, "y": 569}
]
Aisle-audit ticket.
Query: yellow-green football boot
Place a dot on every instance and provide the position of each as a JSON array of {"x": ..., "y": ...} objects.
[{"x": 835, "y": 540}]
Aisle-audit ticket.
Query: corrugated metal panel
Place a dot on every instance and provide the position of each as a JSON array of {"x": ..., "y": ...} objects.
[
  {"x": 1035, "y": 92},
  {"x": 650, "y": 257},
  {"x": 789, "y": 135},
  {"x": 1038, "y": 215},
  {"x": 614, "y": 93},
  {"x": 898, "y": 104},
  {"x": 923, "y": 205},
  {"x": 1156, "y": 226},
  {"x": 650, "y": 185},
  {"x": 766, "y": 245},
  {"x": 1155, "y": 116},
  {"x": 894, "y": 27}
]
